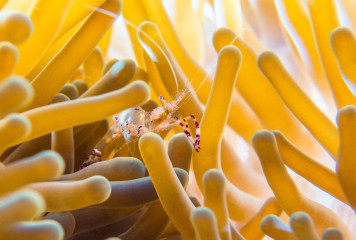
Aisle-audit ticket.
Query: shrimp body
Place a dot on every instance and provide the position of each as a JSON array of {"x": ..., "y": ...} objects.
[
  {"x": 132, "y": 123},
  {"x": 94, "y": 157},
  {"x": 135, "y": 122}
]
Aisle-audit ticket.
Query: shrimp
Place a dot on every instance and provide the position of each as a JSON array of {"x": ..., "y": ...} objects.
[
  {"x": 135, "y": 122},
  {"x": 94, "y": 157}
]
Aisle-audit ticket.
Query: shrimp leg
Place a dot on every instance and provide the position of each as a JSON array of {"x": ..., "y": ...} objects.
[{"x": 184, "y": 124}]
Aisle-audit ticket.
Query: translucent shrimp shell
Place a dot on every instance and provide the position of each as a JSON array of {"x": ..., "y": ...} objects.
[
  {"x": 131, "y": 122},
  {"x": 134, "y": 122}
]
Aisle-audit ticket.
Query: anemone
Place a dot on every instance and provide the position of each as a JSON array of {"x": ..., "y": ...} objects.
[{"x": 269, "y": 131}]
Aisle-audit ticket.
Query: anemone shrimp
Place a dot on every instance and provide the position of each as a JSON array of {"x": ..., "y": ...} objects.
[
  {"x": 135, "y": 122},
  {"x": 132, "y": 123}
]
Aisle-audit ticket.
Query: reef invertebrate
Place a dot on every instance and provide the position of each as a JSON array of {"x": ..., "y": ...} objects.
[
  {"x": 90, "y": 32},
  {"x": 172, "y": 192},
  {"x": 301, "y": 226},
  {"x": 266, "y": 148},
  {"x": 140, "y": 193},
  {"x": 94, "y": 157},
  {"x": 135, "y": 122},
  {"x": 205, "y": 224}
]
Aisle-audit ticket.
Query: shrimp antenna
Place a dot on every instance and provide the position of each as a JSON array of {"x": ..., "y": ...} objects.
[
  {"x": 101, "y": 10},
  {"x": 98, "y": 9},
  {"x": 233, "y": 40},
  {"x": 208, "y": 73}
]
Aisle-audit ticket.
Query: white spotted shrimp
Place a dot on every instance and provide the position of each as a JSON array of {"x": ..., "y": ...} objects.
[{"x": 135, "y": 122}]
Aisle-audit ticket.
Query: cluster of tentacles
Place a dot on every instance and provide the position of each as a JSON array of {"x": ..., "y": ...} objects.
[{"x": 275, "y": 130}]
